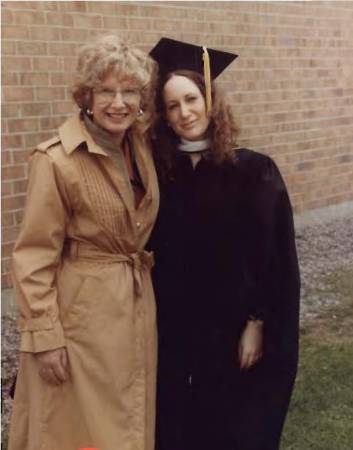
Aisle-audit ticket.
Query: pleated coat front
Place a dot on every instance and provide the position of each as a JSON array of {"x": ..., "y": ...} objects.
[{"x": 82, "y": 281}]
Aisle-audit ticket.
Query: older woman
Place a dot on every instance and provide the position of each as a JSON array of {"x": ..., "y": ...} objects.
[
  {"x": 87, "y": 313},
  {"x": 226, "y": 275}
]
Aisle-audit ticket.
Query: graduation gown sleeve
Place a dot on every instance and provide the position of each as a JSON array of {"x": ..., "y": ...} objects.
[{"x": 272, "y": 267}]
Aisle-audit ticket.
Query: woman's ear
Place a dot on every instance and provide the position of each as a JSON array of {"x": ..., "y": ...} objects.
[{"x": 89, "y": 98}]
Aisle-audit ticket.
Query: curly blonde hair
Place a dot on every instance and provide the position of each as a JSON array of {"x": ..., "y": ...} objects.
[
  {"x": 222, "y": 130},
  {"x": 110, "y": 53}
]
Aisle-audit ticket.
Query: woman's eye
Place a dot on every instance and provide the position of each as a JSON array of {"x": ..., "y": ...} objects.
[
  {"x": 173, "y": 106},
  {"x": 191, "y": 99}
]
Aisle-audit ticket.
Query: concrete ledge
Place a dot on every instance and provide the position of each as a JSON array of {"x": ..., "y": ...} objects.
[{"x": 323, "y": 215}]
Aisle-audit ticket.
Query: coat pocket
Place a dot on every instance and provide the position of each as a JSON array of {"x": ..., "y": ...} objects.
[{"x": 76, "y": 288}]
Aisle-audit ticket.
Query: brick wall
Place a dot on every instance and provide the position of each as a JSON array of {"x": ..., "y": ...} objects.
[{"x": 291, "y": 88}]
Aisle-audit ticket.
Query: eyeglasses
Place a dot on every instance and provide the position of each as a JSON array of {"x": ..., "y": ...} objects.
[{"x": 107, "y": 95}]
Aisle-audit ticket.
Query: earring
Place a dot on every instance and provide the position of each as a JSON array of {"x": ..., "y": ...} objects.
[
  {"x": 140, "y": 112},
  {"x": 89, "y": 112}
]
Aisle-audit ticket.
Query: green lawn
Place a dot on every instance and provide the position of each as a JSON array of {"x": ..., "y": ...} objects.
[{"x": 321, "y": 412}]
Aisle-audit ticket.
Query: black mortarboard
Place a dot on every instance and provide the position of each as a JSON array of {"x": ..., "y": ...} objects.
[{"x": 176, "y": 55}]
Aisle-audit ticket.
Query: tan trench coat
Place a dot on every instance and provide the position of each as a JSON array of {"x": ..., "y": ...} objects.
[{"x": 83, "y": 282}]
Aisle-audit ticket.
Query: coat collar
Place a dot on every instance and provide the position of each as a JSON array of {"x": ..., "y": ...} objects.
[{"x": 73, "y": 133}]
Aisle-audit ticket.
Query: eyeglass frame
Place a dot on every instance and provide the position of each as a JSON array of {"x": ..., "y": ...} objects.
[{"x": 108, "y": 95}]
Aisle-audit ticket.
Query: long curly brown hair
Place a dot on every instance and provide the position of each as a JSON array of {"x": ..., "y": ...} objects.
[{"x": 222, "y": 130}]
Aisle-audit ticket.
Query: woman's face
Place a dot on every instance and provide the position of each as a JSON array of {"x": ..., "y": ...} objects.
[
  {"x": 116, "y": 102},
  {"x": 185, "y": 108}
]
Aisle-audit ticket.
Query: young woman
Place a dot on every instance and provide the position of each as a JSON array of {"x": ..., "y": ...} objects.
[
  {"x": 226, "y": 275},
  {"x": 87, "y": 313}
]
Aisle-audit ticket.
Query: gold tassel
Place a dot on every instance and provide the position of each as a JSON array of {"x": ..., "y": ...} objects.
[{"x": 207, "y": 76}]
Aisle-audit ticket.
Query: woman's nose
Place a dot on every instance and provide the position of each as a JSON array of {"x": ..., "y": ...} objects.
[
  {"x": 184, "y": 110},
  {"x": 118, "y": 100}
]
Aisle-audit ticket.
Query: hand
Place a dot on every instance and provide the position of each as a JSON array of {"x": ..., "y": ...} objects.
[
  {"x": 53, "y": 365},
  {"x": 250, "y": 344}
]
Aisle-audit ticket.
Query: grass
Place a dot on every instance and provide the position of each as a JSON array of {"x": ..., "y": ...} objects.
[{"x": 321, "y": 411}]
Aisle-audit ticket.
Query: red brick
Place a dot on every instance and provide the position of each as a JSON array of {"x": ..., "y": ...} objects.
[
  {"x": 59, "y": 108},
  {"x": 127, "y": 9},
  {"x": 50, "y": 93},
  {"x": 73, "y": 6},
  {"x": 56, "y": 19},
  {"x": 10, "y": 79},
  {"x": 51, "y": 123},
  {"x": 20, "y": 187},
  {"x": 61, "y": 49},
  {"x": 35, "y": 109},
  {"x": 11, "y": 141},
  {"x": 14, "y": 32},
  {"x": 29, "y": 17},
  {"x": 34, "y": 79},
  {"x": 115, "y": 22},
  {"x": 6, "y": 281},
  {"x": 13, "y": 203},
  {"x": 21, "y": 156},
  {"x": 36, "y": 5},
  {"x": 9, "y": 234},
  {"x": 7, "y": 249},
  {"x": 73, "y": 34},
  {"x": 6, "y": 188},
  {"x": 6, "y": 266},
  {"x": 6, "y": 16},
  {"x": 8, "y": 47},
  {"x": 61, "y": 78},
  {"x": 4, "y": 125},
  {"x": 10, "y": 110},
  {"x": 12, "y": 172},
  {"x": 32, "y": 48},
  {"x": 106, "y": 8},
  {"x": 87, "y": 21},
  {"x": 31, "y": 140},
  {"x": 7, "y": 219},
  {"x": 44, "y": 34},
  {"x": 49, "y": 63},
  {"x": 13, "y": 63},
  {"x": 6, "y": 158},
  {"x": 69, "y": 64},
  {"x": 22, "y": 125}
]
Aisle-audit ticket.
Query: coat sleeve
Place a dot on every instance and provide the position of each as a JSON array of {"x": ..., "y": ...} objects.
[
  {"x": 273, "y": 262},
  {"x": 37, "y": 255}
]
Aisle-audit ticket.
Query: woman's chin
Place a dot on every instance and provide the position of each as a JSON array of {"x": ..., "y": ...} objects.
[
  {"x": 117, "y": 128},
  {"x": 192, "y": 136}
]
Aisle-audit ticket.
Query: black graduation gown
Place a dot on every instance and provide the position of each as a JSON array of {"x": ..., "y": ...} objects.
[{"x": 225, "y": 250}]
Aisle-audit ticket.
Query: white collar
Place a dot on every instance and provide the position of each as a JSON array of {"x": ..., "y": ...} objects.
[{"x": 194, "y": 146}]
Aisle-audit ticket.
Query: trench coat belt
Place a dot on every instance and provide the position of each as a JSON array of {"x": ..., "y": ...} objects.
[{"x": 139, "y": 261}]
